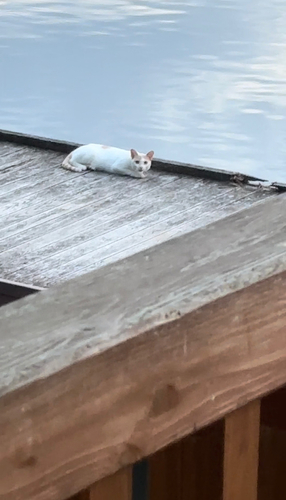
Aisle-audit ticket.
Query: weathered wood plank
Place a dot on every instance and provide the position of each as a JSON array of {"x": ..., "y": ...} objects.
[
  {"x": 10, "y": 155},
  {"x": 56, "y": 224},
  {"x": 241, "y": 453},
  {"x": 110, "y": 347},
  {"x": 158, "y": 210},
  {"x": 30, "y": 163},
  {"x": 79, "y": 189},
  {"x": 74, "y": 250},
  {"x": 21, "y": 188},
  {"x": 49, "y": 229},
  {"x": 122, "y": 243},
  {"x": 62, "y": 247},
  {"x": 59, "y": 195},
  {"x": 49, "y": 190},
  {"x": 83, "y": 202},
  {"x": 211, "y": 248},
  {"x": 180, "y": 223}
]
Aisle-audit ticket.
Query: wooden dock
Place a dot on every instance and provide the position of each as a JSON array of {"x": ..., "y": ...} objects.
[
  {"x": 161, "y": 336},
  {"x": 56, "y": 225}
]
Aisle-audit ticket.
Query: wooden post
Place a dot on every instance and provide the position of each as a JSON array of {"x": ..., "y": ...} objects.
[
  {"x": 118, "y": 486},
  {"x": 241, "y": 453},
  {"x": 202, "y": 464},
  {"x": 190, "y": 469},
  {"x": 165, "y": 474},
  {"x": 272, "y": 466}
]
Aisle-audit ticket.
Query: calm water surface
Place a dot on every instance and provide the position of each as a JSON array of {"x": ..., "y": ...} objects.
[{"x": 201, "y": 81}]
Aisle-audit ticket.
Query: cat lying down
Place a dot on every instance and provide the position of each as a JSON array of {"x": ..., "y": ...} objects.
[{"x": 109, "y": 159}]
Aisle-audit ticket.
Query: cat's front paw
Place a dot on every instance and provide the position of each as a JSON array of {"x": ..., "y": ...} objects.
[
  {"x": 137, "y": 175},
  {"x": 142, "y": 175}
]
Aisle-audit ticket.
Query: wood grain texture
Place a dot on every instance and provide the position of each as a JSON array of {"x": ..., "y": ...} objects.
[
  {"x": 241, "y": 453},
  {"x": 35, "y": 169},
  {"x": 56, "y": 225},
  {"x": 104, "y": 216},
  {"x": 118, "y": 486},
  {"x": 140, "y": 353},
  {"x": 74, "y": 252},
  {"x": 124, "y": 240},
  {"x": 99, "y": 209},
  {"x": 80, "y": 203},
  {"x": 10, "y": 155}
]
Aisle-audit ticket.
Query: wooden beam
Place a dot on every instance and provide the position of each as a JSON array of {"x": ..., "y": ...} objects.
[
  {"x": 106, "y": 369},
  {"x": 241, "y": 453}
]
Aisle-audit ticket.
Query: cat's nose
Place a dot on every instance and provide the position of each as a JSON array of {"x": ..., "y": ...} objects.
[{"x": 140, "y": 169}]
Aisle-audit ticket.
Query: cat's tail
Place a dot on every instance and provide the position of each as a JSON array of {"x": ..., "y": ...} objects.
[{"x": 66, "y": 162}]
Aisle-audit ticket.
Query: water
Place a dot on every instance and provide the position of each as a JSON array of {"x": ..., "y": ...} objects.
[{"x": 200, "y": 81}]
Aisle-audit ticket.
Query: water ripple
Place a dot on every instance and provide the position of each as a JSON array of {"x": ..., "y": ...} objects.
[{"x": 195, "y": 81}]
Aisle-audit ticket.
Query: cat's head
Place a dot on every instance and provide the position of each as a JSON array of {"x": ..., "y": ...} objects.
[{"x": 140, "y": 162}]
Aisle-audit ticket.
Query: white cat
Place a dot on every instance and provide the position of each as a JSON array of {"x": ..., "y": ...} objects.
[{"x": 108, "y": 159}]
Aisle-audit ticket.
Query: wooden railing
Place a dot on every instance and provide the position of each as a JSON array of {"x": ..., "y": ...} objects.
[{"x": 168, "y": 354}]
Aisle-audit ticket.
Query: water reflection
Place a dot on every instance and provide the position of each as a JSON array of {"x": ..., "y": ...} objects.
[{"x": 198, "y": 81}]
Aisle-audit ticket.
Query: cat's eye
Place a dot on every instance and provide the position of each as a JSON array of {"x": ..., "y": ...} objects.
[
  {"x": 137, "y": 162},
  {"x": 145, "y": 162}
]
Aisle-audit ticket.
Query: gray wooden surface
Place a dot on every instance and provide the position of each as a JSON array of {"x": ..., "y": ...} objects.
[
  {"x": 105, "y": 369},
  {"x": 56, "y": 225}
]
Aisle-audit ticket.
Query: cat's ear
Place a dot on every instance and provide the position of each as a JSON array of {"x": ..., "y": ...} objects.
[
  {"x": 150, "y": 155},
  {"x": 133, "y": 153}
]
